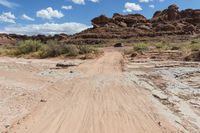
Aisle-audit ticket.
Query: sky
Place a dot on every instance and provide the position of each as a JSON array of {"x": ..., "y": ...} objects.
[{"x": 33, "y": 17}]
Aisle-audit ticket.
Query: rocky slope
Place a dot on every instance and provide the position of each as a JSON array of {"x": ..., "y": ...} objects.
[
  {"x": 170, "y": 21},
  {"x": 12, "y": 39}
]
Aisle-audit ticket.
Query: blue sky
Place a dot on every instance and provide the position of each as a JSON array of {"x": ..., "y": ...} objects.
[{"x": 71, "y": 16}]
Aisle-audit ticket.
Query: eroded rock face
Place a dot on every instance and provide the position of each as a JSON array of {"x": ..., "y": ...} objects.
[
  {"x": 173, "y": 13},
  {"x": 118, "y": 20},
  {"x": 170, "y": 14},
  {"x": 100, "y": 21},
  {"x": 169, "y": 21},
  {"x": 130, "y": 20}
]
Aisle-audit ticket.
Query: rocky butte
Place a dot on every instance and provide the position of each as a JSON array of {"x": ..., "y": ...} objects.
[{"x": 168, "y": 22}]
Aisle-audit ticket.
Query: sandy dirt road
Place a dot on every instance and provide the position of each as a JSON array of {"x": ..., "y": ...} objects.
[{"x": 99, "y": 100}]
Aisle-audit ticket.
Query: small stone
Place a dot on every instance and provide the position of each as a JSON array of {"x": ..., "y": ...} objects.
[
  {"x": 71, "y": 72},
  {"x": 43, "y": 100},
  {"x": 7, "y": 126}
]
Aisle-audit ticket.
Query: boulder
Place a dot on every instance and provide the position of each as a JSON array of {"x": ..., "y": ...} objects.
[{"x": 119, "y": 45}]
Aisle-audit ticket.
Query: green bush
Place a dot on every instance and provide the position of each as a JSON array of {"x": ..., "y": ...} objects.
[
  {"x": 194, "y": 41},
  {"x": 175, "y": 47},
  {"x": 28, "y": 46},
  {"x": 53, "y": 48},
  {"x": 3, "y": 51},
  {"x": 159, "y": 45},
  {"x": 195, "y": 47},
  {"x": 85, "y": 49},
  {"x": 141, "y": 47},
  {"x": 71, "y": 50}
]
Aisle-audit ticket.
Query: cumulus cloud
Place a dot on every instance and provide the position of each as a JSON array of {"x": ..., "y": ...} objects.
[
  {"x": 46, "y": 29},
  {"x": 7, "y": 17},
  {"x": 26, "y": 17},
  {"x": 8, "y": 4},
  {"x": 130, "y": 7},
  {"x": 49, "y": 13},
  {"x": 67, "y": 7}
]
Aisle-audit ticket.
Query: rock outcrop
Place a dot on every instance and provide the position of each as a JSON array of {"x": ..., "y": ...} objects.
[
  {"x": 170, "y": 21},
  {"x": 100, "y": 21}
]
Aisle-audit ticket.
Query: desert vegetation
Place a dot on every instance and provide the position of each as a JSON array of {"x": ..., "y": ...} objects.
[
  {"x": 189, "y": 50},
  {"x": 53, "y": 48}
]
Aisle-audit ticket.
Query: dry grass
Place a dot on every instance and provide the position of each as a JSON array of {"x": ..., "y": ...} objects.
[
  {"x": 36, "y": 49},
  {"x": 187, "y": 48}
]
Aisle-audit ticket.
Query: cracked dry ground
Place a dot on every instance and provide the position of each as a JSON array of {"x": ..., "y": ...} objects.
[
  {"x": 94, "y": 97},
  {"x": 175, "y": 85}
]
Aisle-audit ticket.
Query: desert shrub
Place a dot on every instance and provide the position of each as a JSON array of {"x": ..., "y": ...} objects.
[
  {"x": 195, "y": 47},
  {"x": 28, "y": 46},
  {"x": 71, "y": 50},
  {"x": 194, "y": 41},
  {"x": 188, "y": 48},
  {"x": 51, "y": 49},
  {"x": 54, "y": 49},
  {"x": 141, "y": 47},
  {"x": 162, "y": 45},
  {"x": 3, "y": 51},
  {"x": 175, "y": 47},
  {"x": 159, "y": 45},
  {"x": 85, "y": 49},
  {"x": 9, "y": 51}
]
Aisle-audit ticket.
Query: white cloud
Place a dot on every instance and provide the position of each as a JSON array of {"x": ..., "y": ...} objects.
[
  {"x": 130, "y": 7},
  {"x": 152, "y": 6},
  {"x": 7, "y": 17},
  {"x": 67, "y": 7},
  {"x": 47, "y": 28},
  {"x": 80, "y": 2},
  {"x": 49, "y": 13},
  {"x": 161, "y": 0},
  {"x": 26, "y": 17},
  {"x": 8, "y": 4},
  {"x": 95, "y": 1},
  {"x": 145, "y": 1}
]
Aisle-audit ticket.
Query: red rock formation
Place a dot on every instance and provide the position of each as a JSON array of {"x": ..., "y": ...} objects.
[
  {"x": 100, "y": 21},
  {"x": 170, "y": 21}
]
